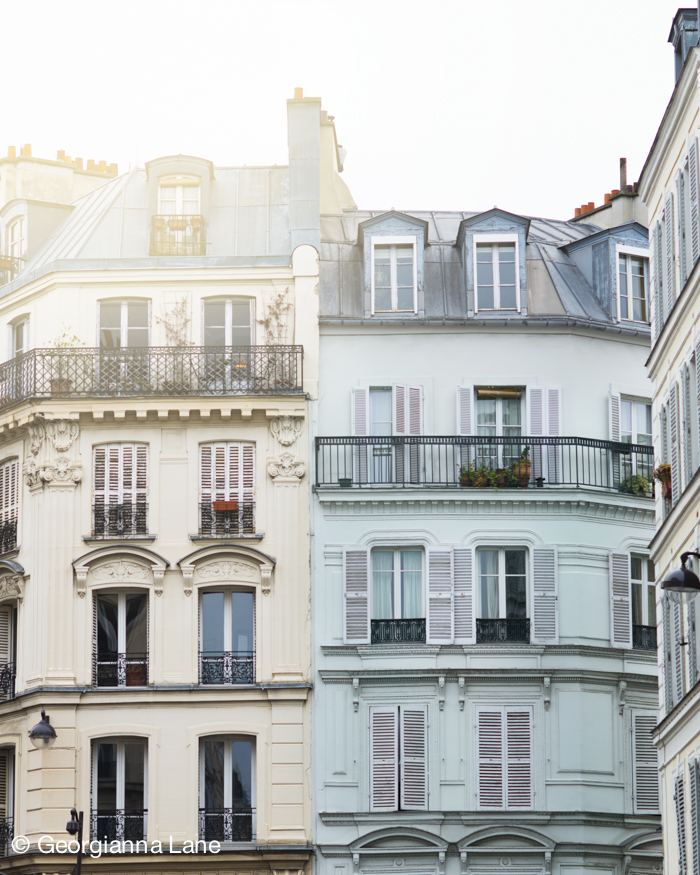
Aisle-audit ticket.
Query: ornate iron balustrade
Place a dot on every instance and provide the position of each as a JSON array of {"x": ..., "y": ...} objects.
[
  {"x": 8, "y": 535},
  {"x": 501, "y": 630},
  {"x": 178, "y": 235},
  {"x": 644, "y": 637},
  {"x": 118, "y": 825},
  {"x": 120, "y": 520},
  {"x": 10, "y": 266},
  {"x": 7, "y": 833},
  {"x": 398, "y": 631},
  {"x": 214, "y": 523},
  {"x": 483, "y": 462},
  {"x": 8, "y": 673},
  {"x": 226, "y": 824},
  {"x": 231, "y": 667},
  {"x": 151, "y": 371},
  {"x": 120, "y": 670}
]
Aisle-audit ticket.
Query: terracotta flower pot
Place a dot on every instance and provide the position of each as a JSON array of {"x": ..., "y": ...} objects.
[{"x": 225, "y": 505}]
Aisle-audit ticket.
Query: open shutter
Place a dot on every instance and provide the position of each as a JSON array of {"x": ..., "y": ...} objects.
[
  {"x": 5, "y": 768},
  {"x": 247, "y": 483},
  {"x": 670, "y": 255},
  {"x": 692, "y": 649},
  {"x": 677, "y": 633},
  {"x": 682, "y": 248},
  {"x": 141, "y": 484},
  {"x": 94, "y": 640},
  {"x": 693, "y": 186},
  {"x": 656, "y": 310},
  {"x": 620, "y": 602},
  {"x": 668, "y": 654},
  {"x": 206, "y": 481},
  {"x": 5, "y": 639},
  {"x": 383, "y": 756},
  {"x": 536, "y": 412},
  {"x": 466, "y": 424},
  {"x": 544, "y": 592},
  {"x": 518, "y": 758},
  {"x": 679, "y": 800},
  {"x": 554, "y": 462},
  {"x": 645, "y": 763},
  {"x": 675, "y": 454},
  {"x": 614, "y": 421},
  {"x": 694, "y": 778},
  {"x": 440, "y": 630},
  {"x": 408, "y": 422},
  {"x": 414, "y": 754},
  {"x": 8, "y": 491},
  {"x": 489, "y": 730},
  {"x": 356, "y": 595},
  {"x": 687, "y": 438},
  {"x": 697, "y": 385},
  {"x": 463, "y": 567},
  {"x": 360, "y": 428}
]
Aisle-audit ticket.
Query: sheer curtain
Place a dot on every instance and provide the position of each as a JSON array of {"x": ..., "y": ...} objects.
[
  {"x": 412, "y": 606},
  {"x": 383, "y": 584},
  {"x": 488, "y": 583}
]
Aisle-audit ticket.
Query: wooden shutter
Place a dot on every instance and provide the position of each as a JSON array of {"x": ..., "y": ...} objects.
[
  {"x": 679, "y": 800},
  {"x": 120, "y": 474},
  {"x": 697, "y": 386},
  {"x": 440, "y": 613},
  {"x": 693, "y": 186},
  {"x": 675, "y": 454},
  {"x": 620, "y": 601},
  {"x": 246, "y": 485},
  {"x": 645, "y": 765},
  {"x": 536, "y": 413},
  {"x": 660, "y": 277},
  {"x": 670, "y": 255},
  {"x": 694, "y": 778},
  {"x": 682, "y": 248},
  {"x": 9, "y": 498},
  {"x": 678, "y": 667},
  {"x": 463, "y": 596},
  {"x": 383, "y": 756},
  {"x": 360, "y": 428},
  {"x": 544, "y": 590},
  {"x": 687, "y": 438},
  {"x": 206, "y": 476},
  {"x": 5, "y": 773},
  {"x": 518, "y": 726},
  {"x": 5, "y": 634},
  {"x": 465, "y": 411},
  {"x": 356, "y": 577},
  {"x": 553, "y": 430},
  {"x": 414, "y": 757},
  {"x": 614, "y": 416},
  {"x": 408, "y": 421},
  {"x": 692, "y": 649},
  {"x": 668, "y": 664},
  {"x": 491, "y": 772},
  {"x": 655, "y": 308}
]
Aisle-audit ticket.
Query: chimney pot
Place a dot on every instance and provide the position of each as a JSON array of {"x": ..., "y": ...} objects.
[
  {"x": 27, "y": 150},
  {"x": 103, "y": 166},
  {"x": 113, "y": 170},
  {"x": 60, "y": 155},
  {"x": 623, "y": 174},
  {"x": 79, "y": 163},
  {"x": 91, "y": 164},
  {"x": 11, "y": 152},
  {"x": 298, "y": 93},
  {"x": 615, "y": 191},
  {"x": 591, "y": 205},
  {"x": 606, "y": 198},
  {"x": 577, "y": 212}
]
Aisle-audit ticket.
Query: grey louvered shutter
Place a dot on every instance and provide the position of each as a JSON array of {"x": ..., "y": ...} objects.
[
  {"x": 466, "y": 424},
  {"x": 668, "y": 654},
  {"x": 620, "y": 602},
  {"x": 614, "y": 426},
  {"x": 384, "y": 758},
  {"x": 678, "y": 666},
  {"x": 518, "y": 758},
  {"x": 464, "y": 626},
  {"x": 692, "y": 648},
  {"x": 675, "y": 450},
  {"x": 687, "y": 429},
  {"x": 5, "y": 784},
  {"x": 645, "y": 766},
  {"x": 440, "y": 582},
  {"x": 661, "y": 278},
  {"x": 544, "y": 595},
  {"x": 694, "y": 778},
  {"x": 536, "y": 401},
  {"x": 697, "y": 386},
  {"x": 408, "y": 422},
  {"x": 679, "y": 800},
  {"x": 554, "y": 419},
  {"x": 356, "y": 582},
  {"x": 682, "y": 249},
  {"x": 413, "y": 757},
  {"x": 693, "y": 186},
  {"x": 656, "y": 310},
  {"x": 490, "y": 753},
  {"x": 361, "y": 427},
  {"x": 670, "y": 255}
]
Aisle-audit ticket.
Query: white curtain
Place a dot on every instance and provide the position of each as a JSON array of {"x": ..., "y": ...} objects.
[
  {"x": 488, "y": 580},
  {"x": 383, "y": 584},
  {"x": 411, "y": 584}
]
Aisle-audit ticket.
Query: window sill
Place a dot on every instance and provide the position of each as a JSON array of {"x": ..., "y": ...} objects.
[
  {"x": 10, "y": 554},
  {"x": 218, "y": 540},
  {"x": 91, "y": 539}
]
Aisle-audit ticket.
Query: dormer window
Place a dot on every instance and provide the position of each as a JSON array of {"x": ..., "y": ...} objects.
[
  {"x": 394, "y": 275},
  {"x": 179, "y": 228},
  {"x": 16, "y": 238},
  {"x": 496, "y": 284},
  {"x": 179, "y": 196},
  {"x": 632, "y": 278}
]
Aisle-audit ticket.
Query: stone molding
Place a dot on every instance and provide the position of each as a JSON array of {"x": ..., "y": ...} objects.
[
  {"x": 227, "y": 568},
  {"x": 286, "y": 429},
  {"x": 11, "y": 587},
  {"x": 119, "y": 565},
  {"x": 286, "y": 466},
  {"x": 50, "y": 444}
]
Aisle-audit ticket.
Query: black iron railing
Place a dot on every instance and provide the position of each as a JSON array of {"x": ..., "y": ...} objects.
[
  {"x": 502, "y": 630},
  {"x": 7, "y": 833},
  {"x": 8, "y": 672},
  {"x": 178, "y": 235},
  {"x": 218, "y": 522},
  {"x": 10, "y": 266},
  {"x": 483, "y": 463},
  {"x": 120, "y": 520},
  {"x": 226, "y": 824},
  {"x": 644, "y": 637},
  {"x": 8, "y": 535},
  {"x": 234, "y": 667},
  {"x": 118, "y": 825},
  {"x": 398, "y": 631},
  {"x": 151, "y": 371},
  {"x": 120, "y": 670}
]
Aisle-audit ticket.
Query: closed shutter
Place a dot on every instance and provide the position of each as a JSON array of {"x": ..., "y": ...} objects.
[
  {"x": 491, "y": 776},
  {"x": 5, "y": 769},
  {"x": 9, "y": 492},
  {"x": 670, "y": 255},
  {"x": 544, "y": 590},
  {"x": 687, "y": 439},
  {"x": 614, "y": 425},
  {"x": 384, "y": 748},
  {"x": 463, "y": 564},
  {"x": 414, "y": 753},
  {"x": 120, "y": 474},
  {"x": 360, "y": 428},
  {"x": 645, "y": 765},
  {"x": 655, "y": 303},
  {"x": 675, "y": 454},
  {"x": 668, "y": 654},
  {"x": 356, "y": 595},
  {"x": 697, "y": 386},
  {"x": 679, "y": 800},
  {"x": 518, "y": 758},
  {"x": 692, "y": 648},
  {"x": 693, "y": 186},
  {"x": 681, "y": 198},
  {"x": 620, "y": 607},
  {"x": 694, "y": 778},
  {"x": 504, "y": 753},
  {"x": 408, "y": 422},
  {"x": 678, "y": 667},
  {"x": 440, "y": 613}
]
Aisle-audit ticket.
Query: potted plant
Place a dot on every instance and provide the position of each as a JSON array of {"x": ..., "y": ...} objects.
[
  {"x": 636, "y": 484},
  {"x": 507, "y": 477},
  {"x": 225, "y": 505},
  {"x": 158, "y": 223},
  {"x": 345, "y": 482},
  {"x": 521, "y": 468},
  {"x": 663, "y": 474},
  {"x": 478, "y": 477},
  {"x": 196, "y": 222},
  {"x": 177, "y": 223}
]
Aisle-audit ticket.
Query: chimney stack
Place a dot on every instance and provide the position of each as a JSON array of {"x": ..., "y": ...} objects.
[
  {"x": 27, "y": 150},
  {"x": 11, "y": 152},
  {"x": 623, "y": 174}
]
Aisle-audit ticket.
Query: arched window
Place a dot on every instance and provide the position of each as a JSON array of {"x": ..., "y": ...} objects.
[
  {"x": 227, "y": 789},
  {"x": 118, "y": 790}
]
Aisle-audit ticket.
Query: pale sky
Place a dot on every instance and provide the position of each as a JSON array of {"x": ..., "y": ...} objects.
[{"x": 449, "y": 104}]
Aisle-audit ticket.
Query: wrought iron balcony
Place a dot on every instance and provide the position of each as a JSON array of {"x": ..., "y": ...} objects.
[
  {"x": 120, "y": 520},
  {"x": 110, "y": 825},
  {"x": 151, "y": 371},
  {"x": 483, "y": 463},
  {"x": 226, "y": 824},
  {"x": 502, "y": 631},
  {"x": 231, "y": 667},
  {"x": 10, "y": 266},
  {"x": 8, "y": 673},
  {"x": 398, "y": 631},
  {"x": 644, "y": 637},
  {"x": 217, "y": 521},
  {"x": 178, "y": 235},
  {"x": 7, "y": 833},
  {"x": 8, "y": 536},
  {"x": 120, "y": 670}
]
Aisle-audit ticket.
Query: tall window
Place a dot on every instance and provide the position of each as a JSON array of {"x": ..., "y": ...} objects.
[
  {"x": 635, "y": 428},
  {"x": 643, "y": 594},
  {"x": 397, "y": 584},
  {"x": 227, "y": 489},
  {"x": 19, "y": 336},
  {"x": 16, "y": 238},
  {"x": 226, "y": 793},
  {"x": 504, "y": 743},
  {"x": 120, "y": 642},
  {"x": 394, "y": 277},
  {"x": 227, "y": 636},
  {"x": 7, "y": 792},
  {"x": 9, "y": 505},
  {"x": 399, "y": 758},
  {"x": 499, "y": 412},
  {"x": 120, "y": 491},
  {"x": 228, "y": 322},
  {"x": 496, "y": 276},
  {"x": 633, "y": 274},
  {"x": 502, "y": 582},
  {"x": 179, "y": 196},
  {"x": 119, "y": 806},
  {"x": 8, "y": 650},
  {"x": 123, "y": 323}
]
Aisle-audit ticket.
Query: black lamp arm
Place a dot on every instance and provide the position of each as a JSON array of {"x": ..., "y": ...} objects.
[{"x": 685, "y": 556}]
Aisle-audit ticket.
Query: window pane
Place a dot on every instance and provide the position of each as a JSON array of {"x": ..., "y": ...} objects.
[
  {"x": 484, "y": 253},
  {"x": 137, "y": 314},
  {"x": 213, "y": 775},
  {"x": 512, "y": 411},
  {"x": 107, "y": 614},
  {"x": 381, "y": 413},
  {"x": 133, "y": 776},
  {"x": 506, "y": 274},
  {"x": 240, "y": 314},
  {"x": 484, "y": 274},
  {"x": 486, "y": 413},
  {"x": 137, "y": 624},
  {"x": 383, "y": 584},
  {"x": 110, "y": 326},
  {"x": 488, "y": 584},
  {"x": 651, "y": 575},
  {"x": 626, "y": 417},
  {"x": 485, "y": 297},
  {"x": 516, "y": 598},
  {"x": 242, "y": 621},
  {"x": 241, "y": 785},
  {"x": 213, "y": 622},
  {"x": 637, "y": 616},
  {"x": 106, "y": 776},
  {"x": 651, "y": 606},
  {"x": 214, "y": 323},
  {"x": 507, "y": 294},
  {"x": 506, "y": 253},
  {"x": 643, "y": 423},
  {"x": 636, "y": 566},
  {"x": 404, "y": 299},
  {"x": 404, "y": 275},
  {"x": 515, "y": 562},
  {"x": 382, "y": 299},
  {"x": 411, "y": 601}
]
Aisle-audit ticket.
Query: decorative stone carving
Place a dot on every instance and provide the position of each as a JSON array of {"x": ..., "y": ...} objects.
[
  {"x": 548, "y": 862},
  {"x": 227, "y": 569},
  {"x": 47, "y": 442},
  {"x": 286, "y": 429},
  {"x": 286, "y": 466},
  {"x": 158, "y": 575},
  {"x": 62, "y": 433},
  {"x": 463, "y": 862},
  {"x": 462, "y": 692},
  {"x": 11, "y": 586},
  {"x": 622, "y": 691},
  {"x": 36, "y": 436},
  {"x": 187, "y": 578},
  {"x": 81, "y": 573},
  {"x": 547, "y": 693},
  {"x": 266, "y": 578},
  {"x": 441, "y": 692},
  {"x": 355, "y": 694},
  {"x": 62, "y": 471},
  {"x": 31, "y": 474},
  {"x": 123, "y": 571}
]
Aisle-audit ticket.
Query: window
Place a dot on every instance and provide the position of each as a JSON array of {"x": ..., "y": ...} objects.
[
  {"x": 643, "y": 600},
  {"x": 502, "y": 594},
  {"x": 15, "y": 238},
  {"x": 398, "y": 758},
  {"x": 504, "y": 745},
  {"x": 635, "y": 428},
  {"x": 119, "y": 807},
  {"x": 226, "y": 793},
  {"x": 227, "y": 636},
  {"x": 496, "y": 285},
  {"x": 123, "y": 324},
  {"x": 227, "y": 489},
  {"x": 394, "y": 285},
  {"x": 120, "y": 491},
  {"x": 9, "y": 505},
  {"x": 19, "y": 336},
  {"x": 387, "y": 412},
  {"x": 7, "y": 792},
  {"x": 179, "y": 196},
  {"x": 499, "y": 412},
  {"x": 398, "y": 612},
  {"x": 228, "y": 322},
  {"x": 8, "y": 651},
  {"x": 633, "y": 278},
  {"x": 120, "y": 639}
]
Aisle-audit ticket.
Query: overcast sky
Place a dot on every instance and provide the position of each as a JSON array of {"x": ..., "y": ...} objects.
[{"x": 523, "y": 104}]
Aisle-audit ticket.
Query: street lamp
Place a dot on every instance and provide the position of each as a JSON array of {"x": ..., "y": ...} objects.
[
  {"x": 75, "y": 825},
  {"x": 682, "y": 585},
  {"x": 43, "y": 735}
]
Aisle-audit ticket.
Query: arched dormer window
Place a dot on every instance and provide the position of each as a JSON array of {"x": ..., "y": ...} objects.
[{"x": 178, "y": 228}]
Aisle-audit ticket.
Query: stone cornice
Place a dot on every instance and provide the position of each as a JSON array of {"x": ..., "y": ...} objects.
[
  {"x": 637, "y": 822},
  {"x": 485, "y": 676},
  {"x": 431, "y": 650}
]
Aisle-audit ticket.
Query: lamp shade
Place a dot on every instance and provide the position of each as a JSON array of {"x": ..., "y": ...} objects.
[
  {"x": 43, "y": 735},
  {"x": 681, "y": 585}
]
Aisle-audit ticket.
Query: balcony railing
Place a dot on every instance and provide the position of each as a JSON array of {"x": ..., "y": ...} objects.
[
  {"x": 10, "y": 266},
  {"x": 120, "y": 520},
  {"x": 218, "y": 522},
  {"x": 7, "y": 680},
  {"x": 644, "y": 637},
  {"x": 8, "y": 535},
  {"x": 7, "y": 833},
  {"x": 234, "y": 667},
  {"x": 120, "y": 670},
  {"x": 226, "y": 824},
  {"x": 178, "y": 235},
  {"x": 151, "y": 371},
  {"x": 502, "y": 631},
  {"x": 398, "y": 631},
  {"x": 483, "y": 462},
  {"x": 118, "y": 825}
]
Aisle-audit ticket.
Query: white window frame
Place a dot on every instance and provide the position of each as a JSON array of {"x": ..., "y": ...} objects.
[
  {"x": 121, "y": 613},
  {"x": 502, "y": 578},
  {"x": 25, "y": 320},
  {"x": 124, "y": 318},
  {"x": 121, "y": 741},
  {"x": 228, "y": 618},
  {"x": 228, "y": 739},
  {"x": 639, "y": 252},
  {"x": 497, "y": 238},
  {"x": 397, "y": 576},
  {"x": 228, "y": 316},
  {"x": 394, "y": 241},
  {"x": 179, "y": 187},
  {"x": 16, "y": 245},
  {"x": 645, "y": 584}
]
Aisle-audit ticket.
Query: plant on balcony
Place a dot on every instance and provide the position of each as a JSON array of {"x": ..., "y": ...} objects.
[
  {"x": 79, "y": 366},
  {"x": 175, "y": 320},
  {"x": 521, "y": 468},
  {"x": 636, "y": 484},
  {"x": 662, "y": 473},
  {"x": 478, "y": 476},
  {"x": 177, "y": 223},
  {"x": 274, "y": 324}
]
